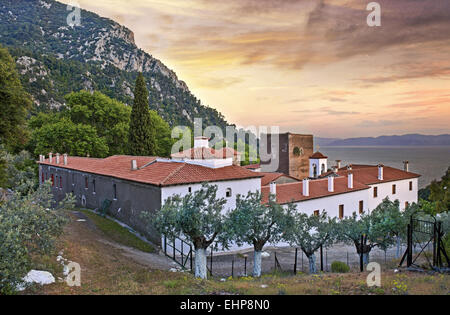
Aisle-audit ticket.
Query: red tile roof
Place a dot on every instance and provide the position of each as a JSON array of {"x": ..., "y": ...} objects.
[
  {"x": 368, "y": 174},
  {"x": 317, "y": 189},
  {"x": 252, "y": 166},
  {"x": 154, "y": 172},
  {"x": 270, "y": 177},
  {"x": 318, "y": 155},
  {"x": 206, "y": 153}
]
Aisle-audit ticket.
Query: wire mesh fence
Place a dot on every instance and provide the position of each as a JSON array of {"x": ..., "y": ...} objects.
[{"x": 290, "y": 260}]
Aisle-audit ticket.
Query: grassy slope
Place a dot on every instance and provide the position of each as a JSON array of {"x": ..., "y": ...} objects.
[
  {"x": 118, "y": 233},
  {"x": 106, "y": 271}
]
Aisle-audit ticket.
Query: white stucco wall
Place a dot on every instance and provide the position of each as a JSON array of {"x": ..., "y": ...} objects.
[
  {"x": 318, "y": 163},
  {"x": 237, "y": 187},
  {"x": 403, "y": 193},
  {"x": 331, "y": 203}
]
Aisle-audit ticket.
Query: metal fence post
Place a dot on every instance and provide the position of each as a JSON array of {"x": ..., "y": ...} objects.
[
  {"x": 245, "y": 265},
  {"x": 321, "y": 258},
  {"x": 174, "y": 256},
  {"x": 190, "y": 247},
  {"x": 295, "y": 262},
  {"x": 165, "y": 245},
  {"x": 361, "y": 262}
]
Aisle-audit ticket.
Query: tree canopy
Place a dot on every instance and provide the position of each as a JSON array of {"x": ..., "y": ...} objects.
[
  {"x": 14, "y": 104},
  {"x": 29, "y": 225},
  {"x": 91, "y": 124}
]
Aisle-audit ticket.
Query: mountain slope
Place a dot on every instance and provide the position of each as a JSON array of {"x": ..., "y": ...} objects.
[{"x": 100, "y": 54}]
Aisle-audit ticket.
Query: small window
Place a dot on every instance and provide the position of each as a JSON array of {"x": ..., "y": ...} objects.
[
  {"x": 43, "y": 177},
  {"x": 93, "y": 186},
  {"x": 189, "y": 189},
  {"x": 361, "y": 206},
  {"x": 317, "y": 213},
  {"x": 60, "y": 182},
  {"x": 410, "y": 186},
  {"x": 86, "y": 183},
  {"x": 341, "y": 211},
  {"x": 394, "y": 189},
  {"x": 53, "y": 180},
  {"x": 229, "y": 193},
  {"x": 375, "y": 192},
  {"x": 406, "y": 205},
  {"x": 115, "y": 191}
]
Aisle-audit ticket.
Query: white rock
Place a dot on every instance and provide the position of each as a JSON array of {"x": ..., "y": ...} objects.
[
  {"x": 223, "y": 280},
  {"x": 81, "y": 220},
  {"x": 264, "y": 286},
  {"x": 265, "y": 254},
  {"x": 38, "y": 277}
]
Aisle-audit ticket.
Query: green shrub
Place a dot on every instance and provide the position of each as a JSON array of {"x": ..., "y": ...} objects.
[{"x": 339, "y": 267}]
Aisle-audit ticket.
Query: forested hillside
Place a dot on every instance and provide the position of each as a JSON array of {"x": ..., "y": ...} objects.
[{"x": 55, "y": 59}]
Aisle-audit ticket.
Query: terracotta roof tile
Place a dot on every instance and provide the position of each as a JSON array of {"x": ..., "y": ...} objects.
[
  {"x": 368, "y": 174},
  {"x": 317, "y": 189},
  {"x": 153, "y": 171},
  {"x": 252, "y": 166},
  {"x": 318, "y": 155},
  {"x": 206, "y": 153}
]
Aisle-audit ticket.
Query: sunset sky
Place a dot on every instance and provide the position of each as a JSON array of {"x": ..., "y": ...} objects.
[{"x": 308, "y": 66}]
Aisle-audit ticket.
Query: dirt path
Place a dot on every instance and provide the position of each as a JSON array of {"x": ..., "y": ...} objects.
[{"x": 150, "y": 260}]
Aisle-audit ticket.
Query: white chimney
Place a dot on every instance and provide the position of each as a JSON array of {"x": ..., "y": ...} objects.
[
  {"x": 350, "y": 180},
  {"x": 201, "y": 142},
  {"x": 406, "y": 166},
  {"x": 331, "y": 183},
  {"x": 335, "y": 170},
  {"x": 134, "y": 165},
  {"x": 41, "y": 158},
  {"x": 306, "y": 187},
  {"x": 65, "y": 159},
  {"x": 57, "y": 158},
  {"x": 338, "y": 163},
  {"x": 380, "y": 172},
  {"x": 50, "y": 158}
]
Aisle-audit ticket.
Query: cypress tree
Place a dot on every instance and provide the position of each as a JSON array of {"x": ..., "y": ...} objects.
[{"x": 142, "y": 137}]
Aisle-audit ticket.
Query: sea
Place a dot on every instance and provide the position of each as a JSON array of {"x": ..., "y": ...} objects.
[{"x": 430, "y": 162}]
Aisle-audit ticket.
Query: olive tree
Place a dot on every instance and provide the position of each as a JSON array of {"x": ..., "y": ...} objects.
[
  {"x": 29, "y": 226},
  {"x": 197, "y": 217},
  {"x": 257, "y": 223},
  {"x": 366, "y": 232},
  {"x": 310, "y": 233},
  {"x": 388, "y": 217}
]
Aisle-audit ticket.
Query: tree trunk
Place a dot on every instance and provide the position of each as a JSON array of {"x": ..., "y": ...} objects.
[
  {"x": 200, "y": 263},
  {"x": 312, "y": 263},
  {"x": 257, "y": 264}
]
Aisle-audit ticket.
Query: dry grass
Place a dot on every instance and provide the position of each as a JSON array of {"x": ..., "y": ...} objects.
[{"x": 106, "y": 271}]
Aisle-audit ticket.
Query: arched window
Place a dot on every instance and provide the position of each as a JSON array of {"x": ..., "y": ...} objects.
[
  {"x": 229, "y": 193},
  {"x": 323, "y": 169},
  {"x": 314, "y": 170}
]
